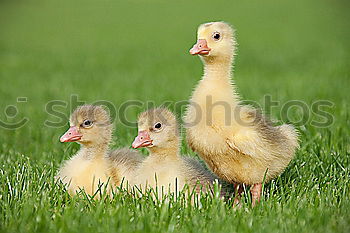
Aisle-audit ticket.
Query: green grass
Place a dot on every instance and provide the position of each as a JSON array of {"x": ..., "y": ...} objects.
[{"x": 138, "y": 50}]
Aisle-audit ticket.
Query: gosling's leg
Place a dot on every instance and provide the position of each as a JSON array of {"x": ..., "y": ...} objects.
[
  {"x": 255, "y": 190},
  {"x": 238, "y": 191}
]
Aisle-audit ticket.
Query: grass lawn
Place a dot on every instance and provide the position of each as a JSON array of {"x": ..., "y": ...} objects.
[{"x": 118, "y": 51}]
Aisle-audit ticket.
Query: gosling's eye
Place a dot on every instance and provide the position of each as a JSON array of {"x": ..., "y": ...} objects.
[
  {"x": 87, "y": 124},
  {"x": 158, "y": 125},
  {"x": 216, "y": 36}
]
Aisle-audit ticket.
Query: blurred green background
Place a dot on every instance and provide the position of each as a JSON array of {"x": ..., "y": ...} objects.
[
  {"x": 122, "y": 50},
  {"x": 138, "y": 50}
]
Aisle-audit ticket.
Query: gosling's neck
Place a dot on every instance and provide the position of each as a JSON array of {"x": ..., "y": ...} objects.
[
  {"x": 93, "y": 151},
  {"x": 218, "y": 73},
  {"x": 171, "y": 150},
  {"x": 218, "y": 68}
]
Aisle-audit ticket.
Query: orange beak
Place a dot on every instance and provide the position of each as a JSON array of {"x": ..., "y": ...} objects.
[
  {"x": 142, "y": 140},
  {"x": 201, "y": 48},
  {"x": 72, "y": 135}
]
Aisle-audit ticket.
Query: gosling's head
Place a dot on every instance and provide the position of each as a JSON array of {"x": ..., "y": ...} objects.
[
  {"x": 157, "y": 129},
  {"x": 89, "y": 125},
  {"x": 214, "y": 40}
]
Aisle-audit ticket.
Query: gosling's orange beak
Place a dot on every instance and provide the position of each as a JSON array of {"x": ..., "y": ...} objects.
[
  {"x": 142, "y": 140},
  {"x": 72, "y": 135},
  {"x": 201, "y": 48}
]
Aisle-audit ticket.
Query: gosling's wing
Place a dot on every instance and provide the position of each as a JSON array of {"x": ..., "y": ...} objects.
[
  {"x": 125, "y": 156},
  {"x": 196, "y": 171},
  {"x": 256, "y": 136}
]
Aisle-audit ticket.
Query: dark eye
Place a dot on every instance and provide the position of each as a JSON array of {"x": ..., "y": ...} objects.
[
  {"x": 216, "y": 36},
  {"x": 158, "y": 125},
  {"x": 86, "y": 124}
]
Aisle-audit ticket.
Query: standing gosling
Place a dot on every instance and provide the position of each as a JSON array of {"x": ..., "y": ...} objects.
[
  {"x": 237, "y": 142},
  {"x": 165, "y": 169}
]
